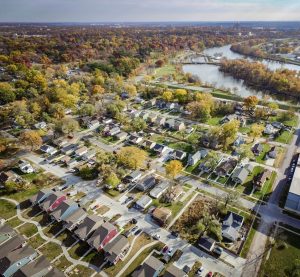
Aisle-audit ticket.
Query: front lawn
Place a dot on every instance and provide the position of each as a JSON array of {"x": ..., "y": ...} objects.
[
  {"x": 51, "y": 250},
  {"x": 28, "y": 229},
  {"x": 285, "y": 137},
  {"x": 181, "y": 146},
  {"x": 36, "y": 241},
  {"x": 78, "y": 250},
  {"x": 7, "y": 209},
  {"x": 261, "y": 158},
  {"x": 95, "y": 258},
  {"x": 14, "y": 222},
  {"x": 249, "y": 239},
  {"x": 81, "y": 270},
  {"x": 214, "y": 121},
  {"x": 62, "y": 263},
  {"x": 283, "y": 257}
]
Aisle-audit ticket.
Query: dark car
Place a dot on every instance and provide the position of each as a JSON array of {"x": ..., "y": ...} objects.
[
  {"x": 175, "y": 234},
  {"x": 133, "y": 221},
  {"x": 138, "y": 232},
  {"x": 186, "y": 269},
  {"x": 127, "y": 233}
]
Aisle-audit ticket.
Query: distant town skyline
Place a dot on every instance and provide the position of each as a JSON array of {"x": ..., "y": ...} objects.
[{"x": 148, "y": 10}]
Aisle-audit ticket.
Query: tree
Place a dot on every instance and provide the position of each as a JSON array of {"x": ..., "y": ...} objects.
[
  {"x": 138, "y": 124},
  {"x": 31, "y": 139},
  {"x": 209, "y": 223},
  {"x": 256, "y": 131},
  {"x": 199, "y": 110},
  {"x": 229, "y": 132},
  {"x": 173, "y": 168},
  {"x": 132, "y": 157},
  {"x": 131, "y": 90},
  {"x": 69, "y": 125},
  {"x": 230, "y": 198},
  {"x": 181, "y": 95},
  {"x": 167, "y": 95},
  {"x": 7, "y": 94},
  {"x": 250, "y": 102},
  {"x": 112, "y": 179},
  {"x": 98, "y": 90},
  {"x": 273, "y": 106},
  {"x": 245, "y": 152},
  {"x": 87, "y": 110}
]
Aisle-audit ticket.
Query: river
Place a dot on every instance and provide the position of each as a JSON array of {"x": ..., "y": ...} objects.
[{"x": 210, "y": 74}]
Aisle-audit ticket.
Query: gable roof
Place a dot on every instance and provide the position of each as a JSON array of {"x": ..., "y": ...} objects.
[
  {"x": 76, "y": 216},
  {"x": 100, "y": 234},
  {"x": 149, "y": 267},
  {"x": 116, "y": 247},
  {"x": 37, "y": 197},
  {"x": 62, "y": 208},
  {"x": 35, "y": 267},
  {"x": 11, "y": 245},
  {"x": 173, "y": 271},
  {"x": 88, "y": 225},
  {"x": 240, "y": 173},
  {"x": 51, "y": 199},
  {"x": 15, "y": 256}
]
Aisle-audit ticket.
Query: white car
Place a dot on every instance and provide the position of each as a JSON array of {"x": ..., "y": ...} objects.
[{"x": 156, "y": 236}]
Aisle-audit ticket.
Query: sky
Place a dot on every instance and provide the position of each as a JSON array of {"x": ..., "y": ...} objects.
[{"x": 148, "y": 10}]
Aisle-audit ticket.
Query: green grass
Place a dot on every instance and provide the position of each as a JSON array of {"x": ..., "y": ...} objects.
[
  {"x": 81, "y": 270},
  {"x": 214, "y": 121},
  {"x": 7, "y": 209},
  {"x": 244, "y": 129},
  {"x": 78, "y": 250},
  {"x": 281, "y": 260},
  {"x": 36, "y": 241},
  {"x": 28, "y": 229},
  {"x": 96, "y": 258},
  {"x": 14, "y": 222},
  {"x": 181, "y": 146},
  {"x": 167, "y": 69},
  {"x": 248, "y": 242},
  {"x": 285, "y": 137},
  {"x": 62, "y": 263},
  {"x": 51, "y": 250}
]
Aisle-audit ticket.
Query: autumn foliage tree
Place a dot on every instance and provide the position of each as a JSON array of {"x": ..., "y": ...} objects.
[
  {"x": 31, "y": 139},
  {"x": 173, "y": 168},
  {"x": 132, "y": 157}
]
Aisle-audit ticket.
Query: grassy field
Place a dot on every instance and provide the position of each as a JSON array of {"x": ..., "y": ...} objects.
[
  {"x": 283, "y": 256},
  {"x": 285, "y": 137},
  {"x": 51, "y": 250},
  {"x": 214, "y": 121},
  {"x": 28, "y": 229},
  {"x": 7, "y": 209},
  {"x": 261, "y": 157},
  {"x": 167, "y": 69}
]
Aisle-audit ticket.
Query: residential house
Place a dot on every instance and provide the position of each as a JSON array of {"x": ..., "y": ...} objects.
[
  {"x": 133, "y": 176},
  {"x": 71, "y": 163},
  {"x": 113, "y": 131},
  {"x": 12, "y": 244},
  {"x": 170, "y": 106},
  {"x": 48, "y": 149},
  {"x": 9, "y": 176},
  {"x": 143, "y": 203},
  {"x": 16, "y": 259},
  {"x": 135, "y": 114},
  {"x": 174, "y": 124},
  {"x": 148, "y": 144},
  {"x": 231, "y": 226},
  {"x": 102, "y": 236},
  {"x": 151, "y": 267},
  {"x": 239, "y": 141},
  {"x": 160, "y": 148},
  {"x": 225, "y": 168},
  {"x": 135, "y": 139},
  {"x": 40, "y": 196},
  {"x": 152, "y": 117},
  {"x": 121, "y": 136},
  {"x": 6, "y": 233},
  {"x": 206, "y": 243},
  {"x": 147, "y": 183},
  {"x": 204, "y": 153},
  {"x": 40, "y": 125},
  {"x": 231, "y": 117},
  {"x": 144, "y": 115},
  {"x": 150, "y": 103},
  {"x": 161, "y": 215},
  {"x": 89, "y": 155},
  {"x": 53, "y": 201},
  {"x": 116, "y": 249},
  {"x": 174, "y": 271},
  {"x": 277, "y": 125},
  {"x": 69, "y": 149},
  {"x": 107, "y": 121},
  {"x": 272, "y": 153},
  {"x": 81, "y": 151},
  {"x": 270, "y": 129},
  {"x": 260, "y": 179},
  {"x": 159, "y": 189},
  {"x": 160, "y": 121},
  {"x": 239, "y": 175},
  {"x": 257, "y": 149},
  {"x": 205, "y": 166},
  {"x": 25, "y": 167},
  {"x": 93, "y": 124},
  {"x": 73, "y": 219},
  {"x": 194, "y": 158},
  {"x": 60, "y": 142},
  {"x": 65, "y": 209},
  {"x": 36, "y": 268},
  {"x": 178, "y": 155},
  {"x": 88, "y": 226}
]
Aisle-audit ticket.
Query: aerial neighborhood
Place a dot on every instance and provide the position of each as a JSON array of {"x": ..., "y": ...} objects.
[{"x": 118, "y": 162}]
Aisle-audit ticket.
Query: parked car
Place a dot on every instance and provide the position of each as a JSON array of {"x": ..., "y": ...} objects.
[
  {"x": 186, "y": 269},
  {"x": 170, "y": 251},
  {"x": 138, "y": 232},
  {"x": 156, "y": 236},
  {"x": 133, "y": 221},
  {"x": 165, "y": 249},
  {"x": 209, "y": 274},
  {"x": 134, "y": 229},
  {"x": 218, "y": 250},
  {"x": 175, "y": 234},
  {"x": 127, "y": 233},
  {"x": 200, "y": 271}
]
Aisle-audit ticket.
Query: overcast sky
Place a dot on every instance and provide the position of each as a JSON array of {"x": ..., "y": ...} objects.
[{"x": 147, "y": 10}]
